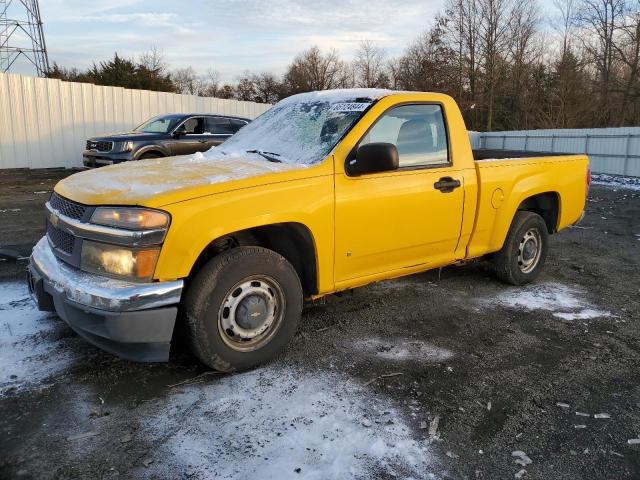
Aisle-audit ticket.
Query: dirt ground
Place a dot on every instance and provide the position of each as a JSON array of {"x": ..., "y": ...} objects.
[{"x": 444, "y": 375}]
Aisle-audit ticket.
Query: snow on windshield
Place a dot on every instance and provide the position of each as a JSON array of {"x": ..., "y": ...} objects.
[{"x": 304, "y": 128}]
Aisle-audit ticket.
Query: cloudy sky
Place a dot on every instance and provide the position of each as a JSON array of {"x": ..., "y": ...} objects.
[{"x": 230, "y": 36}]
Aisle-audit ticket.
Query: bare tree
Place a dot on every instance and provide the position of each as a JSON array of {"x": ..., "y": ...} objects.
[
  {"x": 601, "y": 20},
  {"x": 627, "y": 49},
  {"x": 314, "y": 70},
  {"x": 153, "y": 60},
  {"x": 495, "y": 16},
  {"x": 394, "y": 67},
  {"x": 429, "y": 64},
  {"x": 210, "y": 84},
  {"x": 522, "y": 52},
  {"x": 565, "y": 23},
  {"x": 245, "y": 88},
  {"x": 462, "y": 33},
  {"x": 186, "y": 81},
  {"x": 369, "y": 66},
  {"x": 267, "y": 87}
]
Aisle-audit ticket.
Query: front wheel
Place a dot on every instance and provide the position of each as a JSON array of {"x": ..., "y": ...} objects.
[
  {"x": 242, "y": 308},
  {"x": 146, "y": 156},
  {"x": 525, "y": 249}
]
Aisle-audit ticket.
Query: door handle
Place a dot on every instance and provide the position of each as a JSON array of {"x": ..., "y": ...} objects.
[
  {"x": 447, "y": 184},
  {"x": 203, "y": 141}
]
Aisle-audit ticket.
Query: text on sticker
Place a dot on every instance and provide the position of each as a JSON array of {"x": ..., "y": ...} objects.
[{"x": 349, "y": 107}]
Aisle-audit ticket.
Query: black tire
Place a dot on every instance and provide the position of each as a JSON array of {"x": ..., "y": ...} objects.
[
  {"x": 215, "y": 285},
  {"x": 511, "y": 263},
  {"x": 146, "y": 156}
]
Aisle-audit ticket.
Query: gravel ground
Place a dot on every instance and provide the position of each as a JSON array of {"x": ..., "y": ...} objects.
[{"x": 444, "y": 375}]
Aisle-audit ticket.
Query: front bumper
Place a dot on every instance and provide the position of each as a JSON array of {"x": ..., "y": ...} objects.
[
  {"x": 92, "y": 158},
  {"x": 131, "y": 320}
]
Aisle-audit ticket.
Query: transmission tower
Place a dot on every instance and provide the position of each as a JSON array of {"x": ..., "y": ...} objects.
[{"x": 22, "y": 36}]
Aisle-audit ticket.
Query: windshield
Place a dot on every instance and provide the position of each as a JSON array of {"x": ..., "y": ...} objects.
[
  {"x": 302, "y": 129},
  {"x": 162, "y": 124}
]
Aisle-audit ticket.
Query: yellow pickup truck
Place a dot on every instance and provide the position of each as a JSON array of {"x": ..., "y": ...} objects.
[{"x": 324, "y": 192}]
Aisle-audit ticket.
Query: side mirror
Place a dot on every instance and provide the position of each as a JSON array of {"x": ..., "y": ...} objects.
[
  {"x": 181, "y": 130},
  {"x": 373, "y": 158}
]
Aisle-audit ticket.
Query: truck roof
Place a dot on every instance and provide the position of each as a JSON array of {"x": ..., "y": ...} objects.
[{"x": 343, "y": 95}]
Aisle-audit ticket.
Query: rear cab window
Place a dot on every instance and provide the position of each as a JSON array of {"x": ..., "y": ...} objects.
[{"x": 418, "y": 132}]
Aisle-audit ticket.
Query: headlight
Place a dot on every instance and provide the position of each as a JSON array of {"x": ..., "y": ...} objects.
[
  {"x": 130, "y": 218},
  {"x": 123, "y": 146},
  {"x": 115, "y": 261}
]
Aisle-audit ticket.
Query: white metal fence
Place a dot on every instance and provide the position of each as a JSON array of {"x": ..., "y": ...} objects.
[
  {"x": 614, "y": 151},
  {"x": 44, "y": 123}
]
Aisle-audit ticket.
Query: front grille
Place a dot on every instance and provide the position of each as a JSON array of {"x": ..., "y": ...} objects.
[
  {"x": 101, "y": 146},
  {"x": 61, "y": 240},
  {"x": 67, "y": 207}
]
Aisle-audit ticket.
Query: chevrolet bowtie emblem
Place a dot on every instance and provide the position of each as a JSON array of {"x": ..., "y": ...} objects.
[{"x": 53, "y": 219}]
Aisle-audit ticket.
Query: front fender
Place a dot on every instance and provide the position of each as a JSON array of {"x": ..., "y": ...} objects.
[{"x": 196, "y": 223}]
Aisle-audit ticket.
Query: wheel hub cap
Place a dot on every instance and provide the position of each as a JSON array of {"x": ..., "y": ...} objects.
[
  {"x": 251, "y": 312},
  {"x": 529, "y": 250}
]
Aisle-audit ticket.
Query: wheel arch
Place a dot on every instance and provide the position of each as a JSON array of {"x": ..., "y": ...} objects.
[
  {"x": 547, "y": 205},
  {"x": 155, "y": 149},
  {"x": 293, "y": 240}
]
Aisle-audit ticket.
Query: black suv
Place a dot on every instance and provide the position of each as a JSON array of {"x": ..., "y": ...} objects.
[{"x": 162, "y": 136}]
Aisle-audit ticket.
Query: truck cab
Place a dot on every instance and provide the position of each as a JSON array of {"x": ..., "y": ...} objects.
[{"x": 326, "y": 191}]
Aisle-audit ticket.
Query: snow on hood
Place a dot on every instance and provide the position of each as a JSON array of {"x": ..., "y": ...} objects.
[{"x": 140, "y": 181}]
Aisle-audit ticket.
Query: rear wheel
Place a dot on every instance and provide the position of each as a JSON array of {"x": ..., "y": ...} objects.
[
  {"x": 242, "y": 308},
  {"x": 524, "y": 252}
]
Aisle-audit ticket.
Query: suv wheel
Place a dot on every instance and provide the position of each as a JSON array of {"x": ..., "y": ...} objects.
[
  {"x": 242, "y": 308},
  {"x": 145, "y": 156}
]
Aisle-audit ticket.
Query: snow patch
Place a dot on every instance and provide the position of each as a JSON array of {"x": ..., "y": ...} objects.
[
  {"x": 28, "y": 354},
  {"x": 565, "y": 302},
  {"x": 616, "y": 181},
  {"x": 402, "y": 349},
  {"x": 281, "y": 422}
]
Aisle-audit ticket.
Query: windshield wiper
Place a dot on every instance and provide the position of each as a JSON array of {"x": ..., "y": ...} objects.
[{"x": 271, "y": 156}]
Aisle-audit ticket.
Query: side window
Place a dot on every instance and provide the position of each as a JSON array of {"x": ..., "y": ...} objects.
[
  {"x": 237, "y": 124},
  {"x": 194, "y": 126},
  {"x": 417, "y": 131},
  {"x": 218, "y": 126}
]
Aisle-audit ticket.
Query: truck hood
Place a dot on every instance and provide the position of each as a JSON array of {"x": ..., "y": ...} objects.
[{"x": 157, "y": 182}]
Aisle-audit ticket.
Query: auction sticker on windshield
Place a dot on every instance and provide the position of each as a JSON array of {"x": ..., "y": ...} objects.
[{"x": 349, "y": 107}]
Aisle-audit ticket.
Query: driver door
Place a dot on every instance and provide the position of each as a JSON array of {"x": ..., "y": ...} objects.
[
  {"x": 193, "y": 140},
  {"x": 400, "y": 219}
]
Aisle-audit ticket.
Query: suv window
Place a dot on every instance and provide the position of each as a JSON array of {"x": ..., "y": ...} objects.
[
  {"x": 237, "y": 124},
  {"x": 218, "y": 126},
  {"x": 417, "y": 131},
  {"x": 194, "y": 126}
]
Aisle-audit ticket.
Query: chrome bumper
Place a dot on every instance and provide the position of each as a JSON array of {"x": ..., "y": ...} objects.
[
  {"x": 101, "y": 292},
  {"x": 132, "y": 320}
]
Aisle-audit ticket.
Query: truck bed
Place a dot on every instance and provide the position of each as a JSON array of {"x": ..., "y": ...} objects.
[{"x": 494, "y": 154}]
